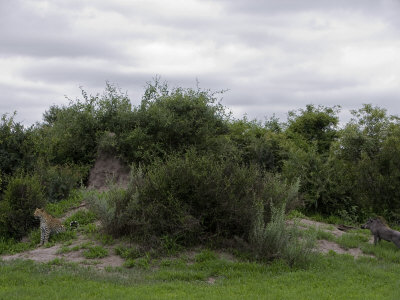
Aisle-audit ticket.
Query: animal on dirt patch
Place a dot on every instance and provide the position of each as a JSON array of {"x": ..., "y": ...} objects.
[
  {"x": 381, "y": 231},
  {"x": 48, "y": 225}
]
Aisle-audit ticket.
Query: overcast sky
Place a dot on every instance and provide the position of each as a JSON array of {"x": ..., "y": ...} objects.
[{"x": 273, "y": 56}]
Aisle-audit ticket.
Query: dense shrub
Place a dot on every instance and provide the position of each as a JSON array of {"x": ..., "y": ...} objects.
[
  {"x": 191, "y": 198},
  {"x": 257, "y": 144},
  {"x": 23, "y": 195},
  {"x": 174, "y": 120},
  {"x": 70, "y": 133},
  {"x": 16, "y": 148},
  {"x": 58, "y": 181}
]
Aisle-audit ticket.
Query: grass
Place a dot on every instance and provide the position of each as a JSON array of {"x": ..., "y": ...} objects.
[
  {"x": 352, "y": 240},
  {"x": 95, "y": 252},
  {"x": 83, "y": 217},
  {"x": 59, "y": 208},
  {"x": 328, "y": 277},
  {"x": 204, "y": 275}
]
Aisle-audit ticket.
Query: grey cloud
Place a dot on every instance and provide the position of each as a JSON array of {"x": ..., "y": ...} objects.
[
  {"x": 280, "y": 72},
  {"x": 273, "y": 7}
]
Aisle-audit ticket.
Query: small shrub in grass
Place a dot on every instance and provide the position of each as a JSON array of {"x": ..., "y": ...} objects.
[
  {"x": 170, "y": 245},
  {"x": 61, "y": 237},
  {"x": 319, "y": 233},
  {"x": 352, "y": 240},
  {"x": 83, "y": 217},
  {"x": 105, "y": 205},
  {"x": 59, "y": 208},
  {"x": 296, "y": 214},
  {"x": 276, "y": 240},
  {"x": 143, "y": 263},
  {"x": 64, "y": 249},
  {"x": 88, "y": 229},
  {"x": 57, "y": 262},
  {"x": 95, "y": 252},
  {"x": 129, "y": 252},
  {"x": 34, "y": 236},
  {"x": 205, "y": 255},
  {"x": 10, "y": 246},
  {"x": 105, "y": 239}
]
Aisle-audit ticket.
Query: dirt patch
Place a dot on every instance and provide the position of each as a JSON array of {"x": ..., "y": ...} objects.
[
  {"x": 305, "y": 223},
  {"x": 108, "y": 168},
  {"x": 44, "y": 255},
  {"x": 324, "y": 246}
]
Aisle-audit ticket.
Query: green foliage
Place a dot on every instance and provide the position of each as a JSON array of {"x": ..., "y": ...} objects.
[
  {"x": 129, "y": 252},
  {"x": 369, "y": 156},
  {"x": 70, "y": 133},
  {"x": 185, "y": 200},
  {"x": 58, "y": 181},
  {"x": 66, "y": 236},
  {"x": 142, "y": 263},
  {"x": 15, "y": 148},
  {"x": 83, "y": 217},
  {"x": 257, "y": 144},
  {"x": 352, "y": 240},
  {"x": 23, "y": 195},
  {"x": 115, "y": 207},
  {"x": 10, "y": 246},
  {"x": 58, "y": 209},
  {"x": 205, "y": 255},
  {"x": 172, "y": 121},
  {"x": 277, "y": 240},
  {"x": 314, "y": 126},
  {"x": 95, "y": 252}
]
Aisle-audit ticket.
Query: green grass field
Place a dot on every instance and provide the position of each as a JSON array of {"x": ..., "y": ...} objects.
[
  {"x": 328, "y": 277},
  {"x": 204, "y": 275}
]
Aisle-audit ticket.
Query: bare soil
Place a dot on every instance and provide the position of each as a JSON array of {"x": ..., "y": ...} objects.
[
  {"x": 106, "y": 169},
  {"x": 325, "y": 246},
  {"x": 42, "y": 254}
]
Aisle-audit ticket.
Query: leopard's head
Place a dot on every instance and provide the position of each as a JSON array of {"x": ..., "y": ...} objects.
[{"x": 38, "y": 212}]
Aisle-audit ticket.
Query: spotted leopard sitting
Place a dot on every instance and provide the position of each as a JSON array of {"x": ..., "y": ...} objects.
[{"x": 48, "y": 225}]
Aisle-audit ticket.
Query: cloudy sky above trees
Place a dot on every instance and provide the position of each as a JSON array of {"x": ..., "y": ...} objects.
[{"x": 272, "y": 56}]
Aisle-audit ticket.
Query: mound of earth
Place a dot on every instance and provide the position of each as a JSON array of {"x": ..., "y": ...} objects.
[{"x": 106, "y": 169}]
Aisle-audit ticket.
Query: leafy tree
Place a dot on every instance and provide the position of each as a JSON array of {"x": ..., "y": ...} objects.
[
  {"x": 70, "y": 133},
  {"x": 314, "y": 125},
  {"x": 173, "y": 120},
  {"x": 258, "y": 144}
]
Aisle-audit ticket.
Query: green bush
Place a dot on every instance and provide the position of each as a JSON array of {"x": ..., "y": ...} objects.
[
  {"x": 114, "y": 208},
  {"x": 23, "y": 195},
  {"x": 190, "y": 199},
  {"x": 172, "y": 120},
  {"x": 277, "y": 240},
  {"x": 59, "y": 181}
]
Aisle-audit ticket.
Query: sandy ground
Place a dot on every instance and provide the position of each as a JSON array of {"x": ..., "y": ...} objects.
[
  {"x": 42, "y": 254},
  {"x": 325, "y": 246}
]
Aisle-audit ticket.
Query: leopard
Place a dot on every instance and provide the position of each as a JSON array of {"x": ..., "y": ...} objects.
[{"x": 48, "y": 225}]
